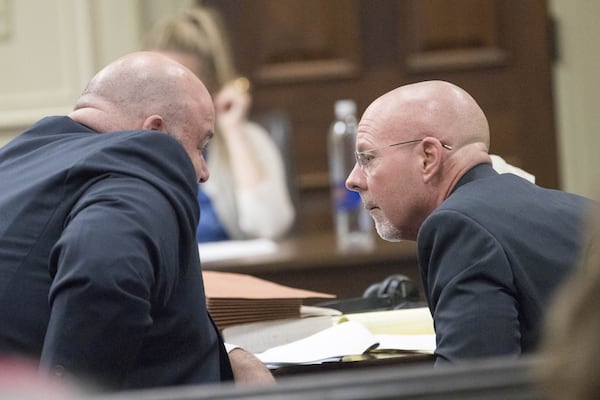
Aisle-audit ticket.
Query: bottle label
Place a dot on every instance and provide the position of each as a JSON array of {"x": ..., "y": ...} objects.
[{"x": 344, "y": 199}]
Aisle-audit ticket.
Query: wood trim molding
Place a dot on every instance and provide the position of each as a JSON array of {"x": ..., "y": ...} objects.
[
  {"x": 460, "y": 59},
  {"x": 307, "y": 71}
]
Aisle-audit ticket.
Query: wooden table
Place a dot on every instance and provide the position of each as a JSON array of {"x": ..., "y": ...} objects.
[{"x": 314, "y": 263}]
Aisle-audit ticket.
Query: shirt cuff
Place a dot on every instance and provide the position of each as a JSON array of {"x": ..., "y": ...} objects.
[{"x": 229, "y": 347}]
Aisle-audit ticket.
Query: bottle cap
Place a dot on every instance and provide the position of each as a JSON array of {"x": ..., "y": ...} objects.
[{"x": 344, "y": 108}]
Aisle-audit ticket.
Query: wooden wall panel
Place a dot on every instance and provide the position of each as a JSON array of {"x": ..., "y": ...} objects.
[
  {"x": 304, "y": 55},
  {"x": 42, "y": 77},
  {"x": 307, "y": 40},
  {"x": 444, "y": 36}
]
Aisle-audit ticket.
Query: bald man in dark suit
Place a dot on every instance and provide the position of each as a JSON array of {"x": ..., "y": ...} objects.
[
  {"x": 100, "y": 276},
  {"x": 492, "y": 248}
]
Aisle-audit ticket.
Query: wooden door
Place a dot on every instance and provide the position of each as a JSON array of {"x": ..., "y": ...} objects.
[{"x": 303, "y": 55}]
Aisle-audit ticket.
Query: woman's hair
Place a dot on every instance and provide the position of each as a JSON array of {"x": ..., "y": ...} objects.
[
  {"x": 570, "y": 347},
  {"x": 198, "y": 32}
]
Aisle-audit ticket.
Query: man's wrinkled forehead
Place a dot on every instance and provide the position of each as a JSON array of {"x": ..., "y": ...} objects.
[
  {"x": 380, "y": 120},
  {"x": 369, "y": 127}
]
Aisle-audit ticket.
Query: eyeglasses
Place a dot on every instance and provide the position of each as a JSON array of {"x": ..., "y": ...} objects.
[{"x": 364, "y": 158}]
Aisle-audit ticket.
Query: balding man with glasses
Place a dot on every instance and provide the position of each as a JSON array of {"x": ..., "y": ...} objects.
[{"x": 491, "y": 247}]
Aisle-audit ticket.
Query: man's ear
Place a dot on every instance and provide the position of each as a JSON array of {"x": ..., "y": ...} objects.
[
  {"x": 154, "y": 123},
  {"x": 431, "y": 158}
]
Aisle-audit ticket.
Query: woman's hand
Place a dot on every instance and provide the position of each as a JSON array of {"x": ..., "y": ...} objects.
[{"x": 232, "y": 104}]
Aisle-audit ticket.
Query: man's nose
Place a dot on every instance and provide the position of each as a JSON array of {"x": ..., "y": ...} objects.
[
  {"x": 353, "y": 180},
  {"x": 202, "y": 172}
]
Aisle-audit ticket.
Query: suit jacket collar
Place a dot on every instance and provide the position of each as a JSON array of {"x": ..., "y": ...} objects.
[{"x": 477, "y": 172}]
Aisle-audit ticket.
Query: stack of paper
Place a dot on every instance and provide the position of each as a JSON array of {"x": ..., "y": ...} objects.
[
  {"x": 259, "y": 336},
  {"x": 237, "y": 298},
  {"x": 410, "y": 321},
  {"x": 395, "y": 331},
  {"x": 349, "y": 338}
]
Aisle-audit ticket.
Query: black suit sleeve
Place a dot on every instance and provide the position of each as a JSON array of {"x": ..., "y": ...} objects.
[
  {"x": 470, "y": 289},
  {"x": 114, "y": 262}
]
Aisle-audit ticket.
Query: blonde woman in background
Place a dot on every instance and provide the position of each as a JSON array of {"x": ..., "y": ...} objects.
[
  {"x": 570, "y": 348},
  {"x": 246, "y": 196}
]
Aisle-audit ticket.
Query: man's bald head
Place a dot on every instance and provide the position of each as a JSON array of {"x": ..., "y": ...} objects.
[
  {"x": 433, "y": 108},
  {"x": 137, "y": 85},
  {"x": 149, "y": 91},
  {"x": 413, "y": 145}
]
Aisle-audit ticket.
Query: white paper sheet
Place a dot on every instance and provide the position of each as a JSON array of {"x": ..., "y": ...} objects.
[
  {"x": 228, "y": 249},
  {"x": 425, "y": 343},
  {"x": 348, "y": 338}
]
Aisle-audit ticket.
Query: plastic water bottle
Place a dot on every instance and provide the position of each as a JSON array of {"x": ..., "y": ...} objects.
[{"x": 353, "y": 225}]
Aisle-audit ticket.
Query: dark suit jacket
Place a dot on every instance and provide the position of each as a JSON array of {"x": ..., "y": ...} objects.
[
  {"x": 490, "y": 257},
  {"x": 99, "y": 269}
]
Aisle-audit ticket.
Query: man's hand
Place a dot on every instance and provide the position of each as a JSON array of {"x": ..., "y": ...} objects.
[{"x": 247, "y": 369}]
